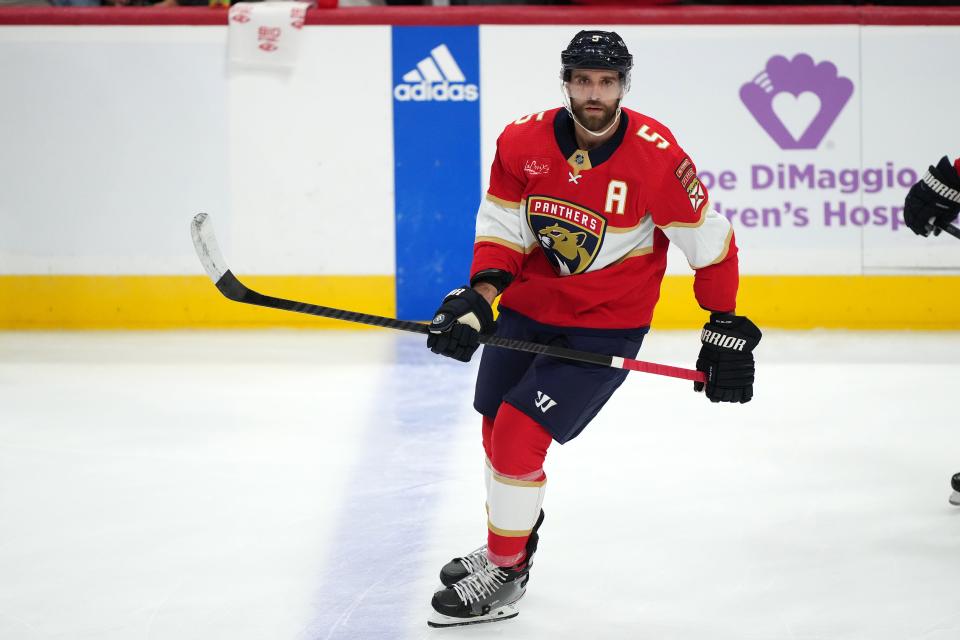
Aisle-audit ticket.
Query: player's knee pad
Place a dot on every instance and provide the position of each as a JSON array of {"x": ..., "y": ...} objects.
[{"x": 519, "y": 444}]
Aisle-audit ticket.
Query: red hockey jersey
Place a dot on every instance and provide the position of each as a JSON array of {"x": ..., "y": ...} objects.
[{"x": 585, "y": 233}]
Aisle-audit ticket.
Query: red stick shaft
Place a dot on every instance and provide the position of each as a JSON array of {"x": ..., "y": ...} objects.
[{"x": 662, "y": 370}]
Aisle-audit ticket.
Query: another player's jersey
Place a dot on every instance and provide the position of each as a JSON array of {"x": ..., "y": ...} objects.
[{"x": 585, "y": 233}]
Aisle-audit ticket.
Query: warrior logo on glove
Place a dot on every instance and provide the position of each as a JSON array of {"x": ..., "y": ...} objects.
[
  {"x": 722, "y": 340},
  {"x": 934, "y": 201},
  {"x": 726, "y": 357}
]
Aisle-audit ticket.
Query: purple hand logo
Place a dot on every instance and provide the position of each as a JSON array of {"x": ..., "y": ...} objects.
[{"x": 795, "y": 101}]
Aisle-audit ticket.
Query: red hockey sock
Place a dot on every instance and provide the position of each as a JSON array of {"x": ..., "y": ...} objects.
[
  {"x": 488, "y": 437},
  {"x": 519, "y": 446}
]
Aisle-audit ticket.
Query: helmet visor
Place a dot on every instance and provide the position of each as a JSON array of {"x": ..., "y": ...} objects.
[{"x": 594, "y": 86}]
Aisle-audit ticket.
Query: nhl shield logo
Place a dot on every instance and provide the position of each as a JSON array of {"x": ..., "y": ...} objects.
[{"x": 570, "y": 235}]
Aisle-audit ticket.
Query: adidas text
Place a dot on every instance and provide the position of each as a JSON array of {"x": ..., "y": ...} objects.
[
  {"x": 438, "y": 78},
  {"x": 439, "y": 92}
]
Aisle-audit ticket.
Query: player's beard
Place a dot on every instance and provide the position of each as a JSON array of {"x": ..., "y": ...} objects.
[{"x": 593, "y": 120}]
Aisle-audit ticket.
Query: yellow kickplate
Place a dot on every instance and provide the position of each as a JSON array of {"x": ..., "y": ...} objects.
[{"x": 176, "y": 302}]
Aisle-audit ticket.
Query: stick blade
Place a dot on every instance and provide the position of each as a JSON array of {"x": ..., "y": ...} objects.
[{"x": 205, "y": 244}]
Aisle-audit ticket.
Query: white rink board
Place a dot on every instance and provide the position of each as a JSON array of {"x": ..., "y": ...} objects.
[
  {"x": 115, "y": 136},
  {"x": 911, "y": 112},
  {"x": 119, "y": 135},
  {"x": 689, "y": 78},
  {"x": 312, "y": 179}
]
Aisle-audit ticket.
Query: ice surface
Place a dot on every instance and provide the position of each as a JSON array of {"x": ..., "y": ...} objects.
[{"x": 310, "y": 485}]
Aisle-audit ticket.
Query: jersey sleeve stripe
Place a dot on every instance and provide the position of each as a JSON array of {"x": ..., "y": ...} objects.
[
  {"x": 642, "y": 251},
  {"x": 502, "y": 243},
  {"x": 726, "y": 248},
  {"x": 509, "y": 204},
  {"x": 501, "y": 223},
  {"x": 612, "y": 229},
  {"x": 690, "y": 225},
  {"x": 705, "y": 244}
]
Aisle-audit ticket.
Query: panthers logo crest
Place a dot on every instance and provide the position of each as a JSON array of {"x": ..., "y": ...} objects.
[{"x": 569, "y": 234}]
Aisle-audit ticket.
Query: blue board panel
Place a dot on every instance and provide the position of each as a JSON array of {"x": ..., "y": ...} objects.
[{"x": 436, "y": 136}]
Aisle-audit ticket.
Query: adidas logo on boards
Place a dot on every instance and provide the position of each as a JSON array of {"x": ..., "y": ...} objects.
[{"x": 437, "y": 77}]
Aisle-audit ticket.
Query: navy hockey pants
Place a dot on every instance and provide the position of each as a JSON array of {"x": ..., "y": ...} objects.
[{"x": 561, "y": 395}]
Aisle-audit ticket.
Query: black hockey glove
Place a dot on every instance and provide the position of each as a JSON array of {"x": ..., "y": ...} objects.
[
  {"x": 727, "y": 357},
  {"x": 457, "y": 324},
  {"x": 934, "y": 201}
]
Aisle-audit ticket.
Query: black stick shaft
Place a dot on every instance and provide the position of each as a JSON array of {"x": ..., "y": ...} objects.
[
  {"x": 952, "y": 230},
  {"x": 232, "y": 288},
  {"x": 235, "y": 290},
  {"x": 205, "y": 244}
]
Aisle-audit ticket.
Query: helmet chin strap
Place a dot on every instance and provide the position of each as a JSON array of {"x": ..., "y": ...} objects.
[
  {"x": 613, "y": 123},
  {"x": 595, "y": 134}
]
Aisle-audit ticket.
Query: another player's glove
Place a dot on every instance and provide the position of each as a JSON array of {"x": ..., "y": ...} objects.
[
  {"x": 726, "y": 357},
  {"x": 457, "y": 324},
  {"x": 934, "y": 201}
]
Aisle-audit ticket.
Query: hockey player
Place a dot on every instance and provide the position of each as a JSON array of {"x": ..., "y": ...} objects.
[
  {"x": 932, "y": 203},
  {"x": 574, "y": 229}
]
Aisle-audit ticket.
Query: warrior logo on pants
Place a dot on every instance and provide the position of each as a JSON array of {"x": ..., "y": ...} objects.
[{"x": 544, "y": 401}]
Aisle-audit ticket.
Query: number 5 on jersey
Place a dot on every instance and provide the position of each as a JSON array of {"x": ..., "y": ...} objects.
[{"x": 652, "y": 136}]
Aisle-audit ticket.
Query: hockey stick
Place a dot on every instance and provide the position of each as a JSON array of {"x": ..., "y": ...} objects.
[
  {"x": 952, "y": 229},
  {"x": 205, "y": 243}
]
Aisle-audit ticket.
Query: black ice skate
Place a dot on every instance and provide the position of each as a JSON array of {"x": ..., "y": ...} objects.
[
  {"x": 459, "y": 568},
  {"x": 487, "y": 595},
  {"x": 955, "y": 496}
]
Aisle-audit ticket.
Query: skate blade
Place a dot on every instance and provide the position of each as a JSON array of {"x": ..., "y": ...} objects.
[
  {"x": 955, "y": 498},
  {"x": 439, "y": 621}
]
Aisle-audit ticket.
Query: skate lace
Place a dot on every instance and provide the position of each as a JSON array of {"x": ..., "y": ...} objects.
[
  {"x": 481, "y": 584},
  {"x": 475, "y": 560}
]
